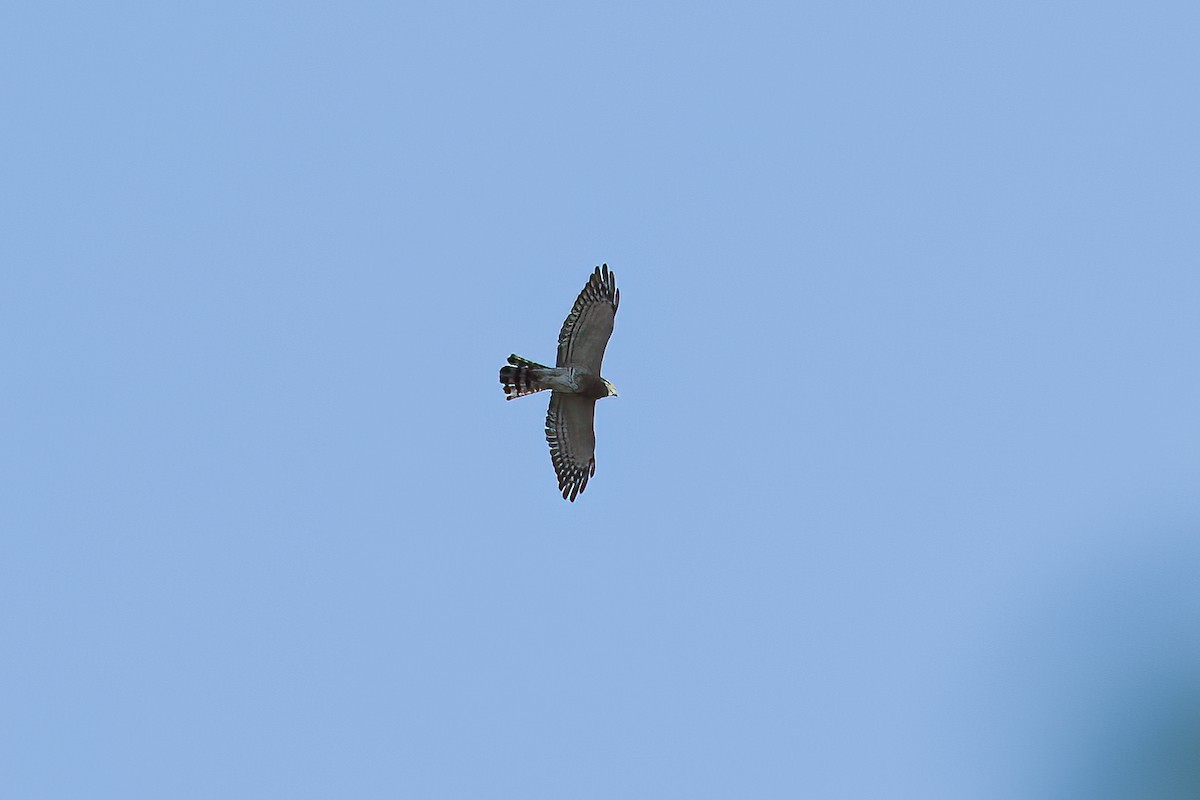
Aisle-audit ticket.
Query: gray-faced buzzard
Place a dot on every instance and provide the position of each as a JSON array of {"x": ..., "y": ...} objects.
[{"x": 574, "y": 381}]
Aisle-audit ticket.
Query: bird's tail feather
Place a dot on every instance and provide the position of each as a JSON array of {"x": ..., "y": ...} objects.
[{"x": 522, "y": 377}]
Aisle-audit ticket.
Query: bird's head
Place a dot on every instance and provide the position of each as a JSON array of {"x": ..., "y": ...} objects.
[{"x": 612, "y": 390}]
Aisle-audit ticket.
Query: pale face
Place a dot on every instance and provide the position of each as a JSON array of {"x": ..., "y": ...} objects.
[{"x": 612, "y": 390}]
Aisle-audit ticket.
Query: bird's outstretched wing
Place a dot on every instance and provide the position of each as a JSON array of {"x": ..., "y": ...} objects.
[
  {"x": 585, "y": 332},
  {"x": 572, "y": 439}
]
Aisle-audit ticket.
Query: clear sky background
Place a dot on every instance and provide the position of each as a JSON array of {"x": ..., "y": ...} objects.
[{"x": 900, "y": 497}]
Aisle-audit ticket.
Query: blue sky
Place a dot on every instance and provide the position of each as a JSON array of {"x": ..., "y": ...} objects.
[{"x": 899, "y": 497}]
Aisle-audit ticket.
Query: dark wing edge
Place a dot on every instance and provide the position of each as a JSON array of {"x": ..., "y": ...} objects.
[
  {"x": 572, "y": 438},
  {"x": 586, "y": 330}
]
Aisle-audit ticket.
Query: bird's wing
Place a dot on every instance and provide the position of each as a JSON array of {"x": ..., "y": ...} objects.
[
  {"x": 572, "y": 439},
  {"x": 585, "y": 332}
]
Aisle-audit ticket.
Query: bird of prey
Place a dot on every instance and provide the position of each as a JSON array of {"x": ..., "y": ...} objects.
[{"x": 574, "y": 382}]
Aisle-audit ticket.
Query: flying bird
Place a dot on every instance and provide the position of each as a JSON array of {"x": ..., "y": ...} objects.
[{"x": 574, "y": 382}]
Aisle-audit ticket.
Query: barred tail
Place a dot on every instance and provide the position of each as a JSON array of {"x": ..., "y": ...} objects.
[{"x": 522, "y": 378}]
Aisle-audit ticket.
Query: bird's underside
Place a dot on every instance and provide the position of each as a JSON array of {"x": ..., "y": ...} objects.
[
  {"x": 524, "y": 377},
  {"x": 574, "y": 382}
]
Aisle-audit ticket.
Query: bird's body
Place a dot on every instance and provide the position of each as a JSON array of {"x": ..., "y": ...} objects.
[
  {"x": 575, "y": 382},
  {"x": 538, "y": 378}
]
